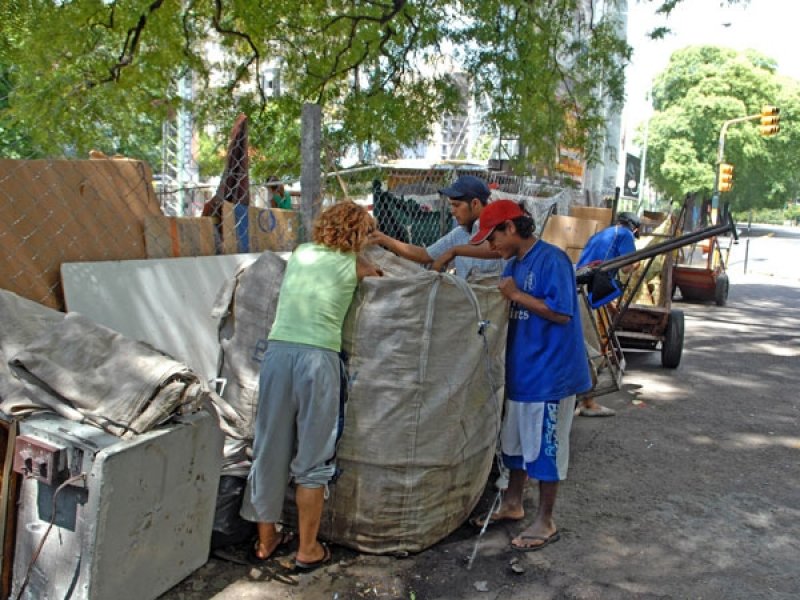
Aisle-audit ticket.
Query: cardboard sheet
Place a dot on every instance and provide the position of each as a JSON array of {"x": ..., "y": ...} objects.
[
  {"x": 57, "y": 211},
  {"x": 570, "y": 233},
  {"x": 593, "y": 213},
  {"x": 171, "y": 237},
  {"x": 251, "y": 229}
]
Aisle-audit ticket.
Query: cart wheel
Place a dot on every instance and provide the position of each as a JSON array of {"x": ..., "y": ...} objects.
[
  {"x": 672, "y": 346},
  {"x": 721, "y": 290}
]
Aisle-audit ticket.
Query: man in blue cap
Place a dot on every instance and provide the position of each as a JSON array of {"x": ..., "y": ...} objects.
[{"x": 468, "y": 196}]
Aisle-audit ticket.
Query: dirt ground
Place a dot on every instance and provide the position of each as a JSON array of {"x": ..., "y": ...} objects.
[{"x": 691, "y": 491}]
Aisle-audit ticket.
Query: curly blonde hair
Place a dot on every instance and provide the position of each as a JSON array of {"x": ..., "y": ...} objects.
[{"x": 344, "y": 226}]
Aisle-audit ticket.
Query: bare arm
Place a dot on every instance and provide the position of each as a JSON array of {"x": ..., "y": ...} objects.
[
  {"x": 409, "y": 251},
  {"x": 473, "y": 251},
  {"x": 510, "y": 290},
  {"x": 364, "y": 268}
]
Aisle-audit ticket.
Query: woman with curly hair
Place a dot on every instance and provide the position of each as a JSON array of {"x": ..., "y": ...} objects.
[{"x": 296, "y": 426}]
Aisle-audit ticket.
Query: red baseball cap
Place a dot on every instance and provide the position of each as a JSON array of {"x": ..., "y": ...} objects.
[{"x": 495, "y": 214}]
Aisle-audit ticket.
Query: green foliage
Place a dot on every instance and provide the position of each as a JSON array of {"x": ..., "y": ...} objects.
[
  {"x": 792, "y": 213},
  {"x": 771, "y": 216},
  {"x": 210, "y": 154},
  {"x": 539, "y": 65},
  {"x": 103, "y": 75},
  {"x": 703, "y": 87},
  {"x": 15, "y": 140}
]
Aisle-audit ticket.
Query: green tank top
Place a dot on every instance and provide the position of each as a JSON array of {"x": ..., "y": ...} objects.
[{"x": 316, "y": 292}]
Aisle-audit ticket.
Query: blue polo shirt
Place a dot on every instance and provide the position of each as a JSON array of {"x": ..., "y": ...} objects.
[
  {"x": 545, "y": 361},
  {"x": 459, "y": 236}
]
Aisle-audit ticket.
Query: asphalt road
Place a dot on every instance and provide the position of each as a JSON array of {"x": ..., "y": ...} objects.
[
  {"x": 767, "y": 250},
  {"x": 691, "y": 491}
]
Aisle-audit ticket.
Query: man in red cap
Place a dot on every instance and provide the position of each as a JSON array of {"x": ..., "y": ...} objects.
[{"x": 546, "y": 366}]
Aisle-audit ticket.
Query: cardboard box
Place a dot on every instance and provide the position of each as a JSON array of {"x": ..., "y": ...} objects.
[
  {"x": 593, "y": 213},
  {"x": 171, "y": 237},
  {"x": 251, "y": 229},
  {"x": 570, "y": 233}
]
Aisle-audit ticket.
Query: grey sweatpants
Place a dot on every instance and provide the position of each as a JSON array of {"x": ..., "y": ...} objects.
[{"x": 295, "y": 428}]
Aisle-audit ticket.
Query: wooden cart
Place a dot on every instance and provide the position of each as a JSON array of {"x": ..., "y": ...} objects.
[
  {"x": 645, "y": 319},
  {"x": 699, "y": 273},
  {"x": 657, "y": 326}
]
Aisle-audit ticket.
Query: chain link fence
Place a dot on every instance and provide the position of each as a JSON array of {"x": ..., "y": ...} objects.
[
  {"x": 407, "y": 205},
  {"x": 95, "y": 207},
  {"x": 57, "y": 211}
]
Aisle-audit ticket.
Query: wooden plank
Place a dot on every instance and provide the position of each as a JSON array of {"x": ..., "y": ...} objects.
[{"x": 9, "y": 496}]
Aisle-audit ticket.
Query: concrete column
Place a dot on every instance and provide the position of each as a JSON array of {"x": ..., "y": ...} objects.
[{"x": 311, "y": 169}]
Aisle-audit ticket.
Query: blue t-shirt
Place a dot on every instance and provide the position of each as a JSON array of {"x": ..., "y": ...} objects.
[
  {"x": 459, "y": 236},
  {"x": 610, "y": 243},
  {"x": 545, "y": 361}
]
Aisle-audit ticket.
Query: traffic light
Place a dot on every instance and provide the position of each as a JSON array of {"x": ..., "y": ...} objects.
[
  {"x": 725, "y": 177},
  {"x": 770, "y": 119}
]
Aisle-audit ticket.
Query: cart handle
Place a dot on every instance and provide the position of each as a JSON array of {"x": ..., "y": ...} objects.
[{"x": 585, "y": 274}]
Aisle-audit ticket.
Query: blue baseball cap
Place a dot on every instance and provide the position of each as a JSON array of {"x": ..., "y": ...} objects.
[{"x": 466, "y": 188}]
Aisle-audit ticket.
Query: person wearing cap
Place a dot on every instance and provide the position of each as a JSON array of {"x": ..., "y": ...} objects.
[
  {"x": 611, "y": 242},
  {"x": 614, "y": 241},
  {"x": 468, "y": 196},
  {"x": 278, "y": 196},
  {"x": 546, "y": 367}
]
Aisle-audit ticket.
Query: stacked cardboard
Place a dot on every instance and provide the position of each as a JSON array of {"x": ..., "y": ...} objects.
[
  {"x": 593, "y": 213},
  {"x": 251, "y": 229},
  {"x": 570, "y": 233}
]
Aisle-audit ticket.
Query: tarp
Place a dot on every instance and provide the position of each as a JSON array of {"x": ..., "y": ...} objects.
[
  {"x": 87, "y": 372},
  {"x": 246, "y": 307},
  {"x": 424, "y": 404}
]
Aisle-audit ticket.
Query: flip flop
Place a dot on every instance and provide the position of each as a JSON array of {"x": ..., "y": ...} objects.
[
  {"x": 602, "y": 411},
  {"x": 545, "y": 541},
  {"x": 477, "y": 522},
  {"x": 287, "y": 537},
  {"x": 307, "y": 567}
]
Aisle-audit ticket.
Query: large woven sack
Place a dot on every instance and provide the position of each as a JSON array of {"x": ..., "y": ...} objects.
[
  {"x": 424, "y": 406},
  {"x": 423, "y": 411},
  {"x": 246, "y": 307}
]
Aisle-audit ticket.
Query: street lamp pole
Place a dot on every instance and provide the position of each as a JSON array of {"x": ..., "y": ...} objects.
[{"x": 721, "y": 159}]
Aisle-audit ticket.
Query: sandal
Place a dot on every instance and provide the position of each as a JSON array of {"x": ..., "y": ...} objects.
[
  {"x": 546, "y": 541},
  {"x": 307, "y": 567},
  {"x": 287, "y": 537}
]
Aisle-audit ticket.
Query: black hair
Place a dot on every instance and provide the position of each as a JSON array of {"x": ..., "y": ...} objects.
[
  {"x": 483, "y": 201},
  {"x": 524, "y": 226}
]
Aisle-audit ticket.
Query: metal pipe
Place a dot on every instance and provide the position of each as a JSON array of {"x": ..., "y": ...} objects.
[
  {"x": 584, "y": 275},
  {"x": 747, "y": 243}
]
